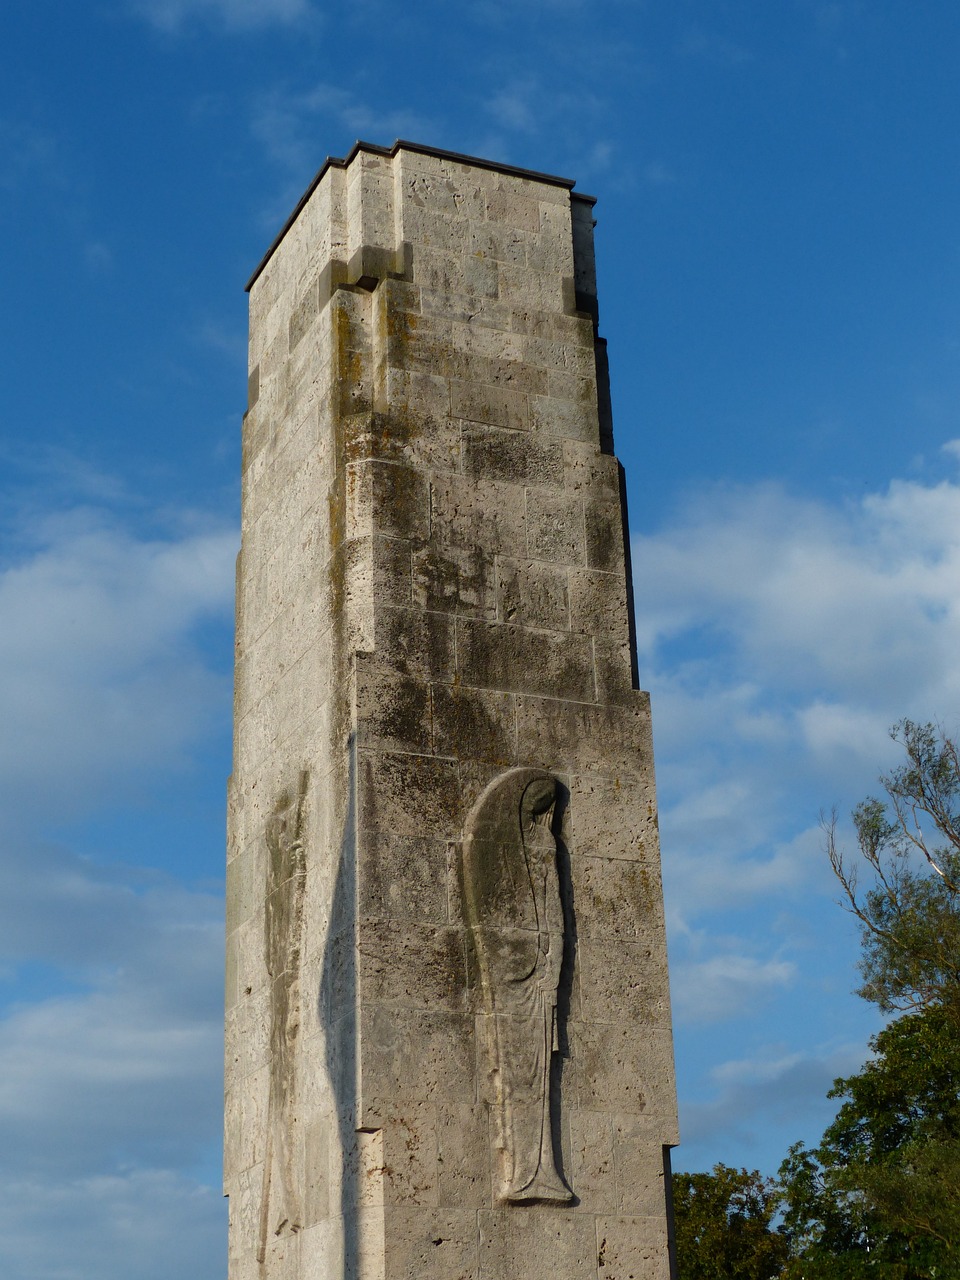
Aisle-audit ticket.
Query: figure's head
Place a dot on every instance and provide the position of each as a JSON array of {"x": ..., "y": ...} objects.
[{"x": 538, "y": 798}]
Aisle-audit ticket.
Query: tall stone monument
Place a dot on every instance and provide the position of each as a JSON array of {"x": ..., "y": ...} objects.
[{"x": 448, "y": 1032}]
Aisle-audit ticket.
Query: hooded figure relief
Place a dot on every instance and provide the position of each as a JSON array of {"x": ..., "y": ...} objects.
[{"x": 515, "y": 916}]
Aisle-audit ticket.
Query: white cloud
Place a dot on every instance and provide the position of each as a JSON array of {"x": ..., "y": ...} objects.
[
  {"x": 726, "y": 985},
  {"x": 29, "y": 154},
  {"x": 861, "y": 599},
  {"x": 110, "y": 975},
  {"x": 127, "y": 1071},
  {"x": 140, "y": 1225},
  {"x": 781, "y": 637},
  {"x": 776, "y": 1095},
  {"x": 100, "y": 676},
  {"x": 110, "y": 1075},
  {"x": 237, "y": 15},
  {"x": 288, "y": 124}
]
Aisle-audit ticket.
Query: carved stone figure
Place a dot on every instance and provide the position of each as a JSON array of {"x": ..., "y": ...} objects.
[
  {"x": 515, "y": 916},
  {"x": 286, "y": 883}
]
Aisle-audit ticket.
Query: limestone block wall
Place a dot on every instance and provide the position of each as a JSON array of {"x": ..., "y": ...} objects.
[{"x": 432, "y": 592}]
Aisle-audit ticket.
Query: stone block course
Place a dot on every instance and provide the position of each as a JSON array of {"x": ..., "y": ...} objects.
[
  {"x": 493, "y": 406},
  {"x": 478, "y": 724},
  {"x": 412, "y": 1053},
  {"x": 403, "y": 878},
  {"x": 408, "y": 794},
  {"x": 518, "y": 660},
  {"x": 411, "y": 966},
  {"x": 581, "y": 737},
  {"x": 458, "y": 580},
  {"x": 533, "y": 594},
  {"x": 555, "y": 527},
  {"x": 470, "y": 513},
  {"x": 499, "y": 454},
  {"x": 416, "y": 641}
]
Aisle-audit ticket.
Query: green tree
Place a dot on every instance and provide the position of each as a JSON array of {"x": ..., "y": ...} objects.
[
  {"x": 910, "y": 846},
  {"x": 880, "y": 1195},
  {"x": 724, "y": 1226},
  {"x": 881, "y": 1192}
]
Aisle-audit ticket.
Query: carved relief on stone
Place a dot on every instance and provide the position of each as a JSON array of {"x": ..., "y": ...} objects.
[
  {"x": 280, "y": 1209},
  {"x": 515, "y": 917}
]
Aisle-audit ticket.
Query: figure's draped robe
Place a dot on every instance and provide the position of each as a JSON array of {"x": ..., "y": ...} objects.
[
  {"x": 515, "y": 916},
  {"x": 280, "y": 1208}
]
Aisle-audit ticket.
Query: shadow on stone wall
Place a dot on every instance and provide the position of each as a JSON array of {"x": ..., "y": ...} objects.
[{"x": 338, "y": 1014}]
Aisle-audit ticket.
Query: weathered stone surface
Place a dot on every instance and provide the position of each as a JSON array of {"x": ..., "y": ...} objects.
[
  {"x": 498, "y": 453},
  {"x": 631, "y": 1247},
  {"x": 617, "y": 899},
  {"x": 411, "y": 966},
  {"x": 548, "y": 1243},
  {"x": 555, "y": 528},
  {"x": 463, "y": 1144},
  {"x": 476, "y": 724},
  {"x": 622, "y": 1068},
  {"x": 471, "y": 513},
  {"x": 458, "y": 580},
  {"x": 403, "y": 878},
  {"x": 493, "y": 406},
  {"x": 417, "y": 1053},
  {"x": 592, "y": 1168},
  {"x": 581, "y": 736},
  {"x": 435, "y": 1244},
  {"x": 521, "y": 660},
  {"x": 533, "y": 594},
  {"x": 448, "y": 1031},
  {"x": 393, "y": 710},
  {"x": 640, "y": 1167},
  {"x": 415, "y": 642},
  {"x": 408, "y": 794}
]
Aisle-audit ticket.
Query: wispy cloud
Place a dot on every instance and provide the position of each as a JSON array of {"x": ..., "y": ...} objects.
[
  {"x": 804, "y": 624},
  {"x": 147, "y": 1224},
  {"x": 712, "y": 47},
  {"x": 519, "y": 105},
  {"x": 658, "y": 174},
  {"x": 85, "y": 1077},
  {"x": 231, "y": 343},
  {"x": 28, "y": 154},
  {"x": 287, "y": 123},
  {"x": 98, "y": 257},
  {"x": 98, "y": 672},
  {"x": 726, "y": 985},
  {"x": 235, "y": 15},
  {"x": 781, "y": 637},
  {"x": 753, "y": 1098},
  {"x": 110, "y": 975}
]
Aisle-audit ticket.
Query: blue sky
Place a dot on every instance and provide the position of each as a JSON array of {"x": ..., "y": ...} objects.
[{"x": 779, "y": 263}]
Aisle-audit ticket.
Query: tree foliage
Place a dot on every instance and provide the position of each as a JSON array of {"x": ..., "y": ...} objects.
[
  {"x": 724, "y": 1226},
  {"x": 910, "y": 846},
  {"x": 879, "y": 1197},
  {"x": 881, "y": 1192}
]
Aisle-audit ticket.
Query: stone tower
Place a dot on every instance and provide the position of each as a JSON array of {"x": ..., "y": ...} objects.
[{"x": 448, "y": 1031}]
